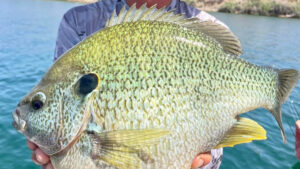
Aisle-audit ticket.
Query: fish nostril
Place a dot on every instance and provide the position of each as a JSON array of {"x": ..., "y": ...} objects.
[{"x": 23, "y": 102}]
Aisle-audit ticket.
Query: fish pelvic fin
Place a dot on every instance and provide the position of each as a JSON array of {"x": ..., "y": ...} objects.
[
  {"x": 124, "y": 148},
  {"x": 244, "y": 130},
  {"x": 220, "y": 34},
  {"x": 287, "y": 80}
]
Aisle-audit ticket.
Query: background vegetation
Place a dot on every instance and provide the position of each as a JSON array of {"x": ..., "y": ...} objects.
[{"x": 280, "y": 8}]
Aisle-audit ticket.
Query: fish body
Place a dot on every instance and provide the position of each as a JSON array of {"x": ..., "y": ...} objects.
[{"x": 149, "y": 93}]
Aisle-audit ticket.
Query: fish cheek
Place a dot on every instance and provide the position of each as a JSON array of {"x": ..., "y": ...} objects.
[
  {"x": 43, "y": 118},
  {"x": 42, "y": 130},
  {"x": 54, "y": 127}
]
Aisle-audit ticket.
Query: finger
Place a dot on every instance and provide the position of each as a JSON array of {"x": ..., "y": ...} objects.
[
  {"x": 197, "y": 162},
  {"x": 201, "y": 160},
  {"x": 33, "y": 157},
  {"x": 206, "y": 157},
  {"x": 49, "y": 166},
  {"x": 31, "y": 145},
  {"x": 41, "y": 156}
]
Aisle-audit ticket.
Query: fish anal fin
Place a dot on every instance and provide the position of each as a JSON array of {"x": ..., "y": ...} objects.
[{"x": 244, "y": 131}]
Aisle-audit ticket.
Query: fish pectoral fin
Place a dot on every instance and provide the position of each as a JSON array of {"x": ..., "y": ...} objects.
[
  {"x": 124, "y": 148},
  {"x": 133, "y": 137},
  {"x": 245, "y": 130}
]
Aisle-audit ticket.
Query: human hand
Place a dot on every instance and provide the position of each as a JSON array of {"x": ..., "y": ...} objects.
[
  {"x": 297, "y": 143},
  {"x": 39, "y": 157},
  {"x": 201, "y": 160}
]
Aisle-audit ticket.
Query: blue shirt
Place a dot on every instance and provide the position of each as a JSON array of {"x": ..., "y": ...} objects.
[{"x": 80, "y": 22}]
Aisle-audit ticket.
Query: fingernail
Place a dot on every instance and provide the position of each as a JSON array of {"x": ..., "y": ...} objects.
[
  {"x": 34, "y": 159},
  {"x": 198, "y": 162},
  {"x": 39, "y": 157}
]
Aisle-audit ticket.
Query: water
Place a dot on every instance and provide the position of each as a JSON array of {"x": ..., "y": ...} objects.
[
  {"x": 28, "y": 32},
  {"x": 273, "y": 42}
]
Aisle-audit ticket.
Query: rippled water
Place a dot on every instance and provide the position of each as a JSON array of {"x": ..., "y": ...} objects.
[
  {"x": 28, "y": 32},
  {"x": 274, "y": 42}
]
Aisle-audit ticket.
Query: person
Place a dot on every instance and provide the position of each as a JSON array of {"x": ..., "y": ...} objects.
[
  {"x": 297, "y": 138},
  {"x": 80, "y": 22}
]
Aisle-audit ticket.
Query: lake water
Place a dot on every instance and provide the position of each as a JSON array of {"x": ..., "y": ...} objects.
[{"x": 28, "y": 32}]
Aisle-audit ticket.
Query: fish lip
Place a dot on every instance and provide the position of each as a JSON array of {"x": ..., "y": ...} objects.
[{"x": 18, "y": 123}]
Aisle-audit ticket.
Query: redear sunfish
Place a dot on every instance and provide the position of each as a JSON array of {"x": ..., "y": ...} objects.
[{"x": 150, "y": 90}]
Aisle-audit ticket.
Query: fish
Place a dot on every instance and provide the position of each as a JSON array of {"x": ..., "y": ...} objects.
[{"x": 150, "y": 90}]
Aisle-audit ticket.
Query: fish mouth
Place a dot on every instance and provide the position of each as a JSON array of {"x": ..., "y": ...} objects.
[{"x": 18, "y": 123}]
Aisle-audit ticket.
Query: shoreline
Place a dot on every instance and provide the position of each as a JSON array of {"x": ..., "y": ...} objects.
[{"x": 275, "y": 8}]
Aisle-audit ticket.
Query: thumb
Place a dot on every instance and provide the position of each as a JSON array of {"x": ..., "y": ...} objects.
[{"x": 201, "y": 160}]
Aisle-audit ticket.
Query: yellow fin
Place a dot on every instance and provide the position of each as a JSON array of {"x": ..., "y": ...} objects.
[
  {"x": 244, "y": 131},
  {"x": 122, "y": 160},
  {"x": 133, "y": 137},
  {"x": 124, "y": 148}
]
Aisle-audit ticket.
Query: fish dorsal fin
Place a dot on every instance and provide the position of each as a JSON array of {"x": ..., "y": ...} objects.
[
  {"x": 224, "y": 36},
  {"x": 219, "y": 33}
]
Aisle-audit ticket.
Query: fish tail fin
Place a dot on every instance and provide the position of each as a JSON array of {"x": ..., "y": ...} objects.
[{"x": 287, "y": 80}]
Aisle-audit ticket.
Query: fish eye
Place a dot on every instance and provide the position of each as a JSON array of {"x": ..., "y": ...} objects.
[
  {"x": 37, "y": 104},
  {"x": 38, "y": 100}
]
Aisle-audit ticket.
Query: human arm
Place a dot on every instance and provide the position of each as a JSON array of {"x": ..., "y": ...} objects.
[{"x": 67, "y": 36}]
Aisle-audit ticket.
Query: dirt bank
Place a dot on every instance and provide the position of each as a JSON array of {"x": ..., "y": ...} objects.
[{"x": 278, "y": 8}]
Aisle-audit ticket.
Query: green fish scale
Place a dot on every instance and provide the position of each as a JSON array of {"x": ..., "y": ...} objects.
[{"x": 161, "y": 75}]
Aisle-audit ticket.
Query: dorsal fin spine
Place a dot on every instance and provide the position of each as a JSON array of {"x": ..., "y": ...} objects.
[
  {"x": 219, "y": 33},
  {"x": 139, "y": 13},
  {"x": 128, "y": 13},
  {"x": 121, "y": 15},
  {"x": 112, "y": 18},
  {"x": 148, "y": 12}
]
